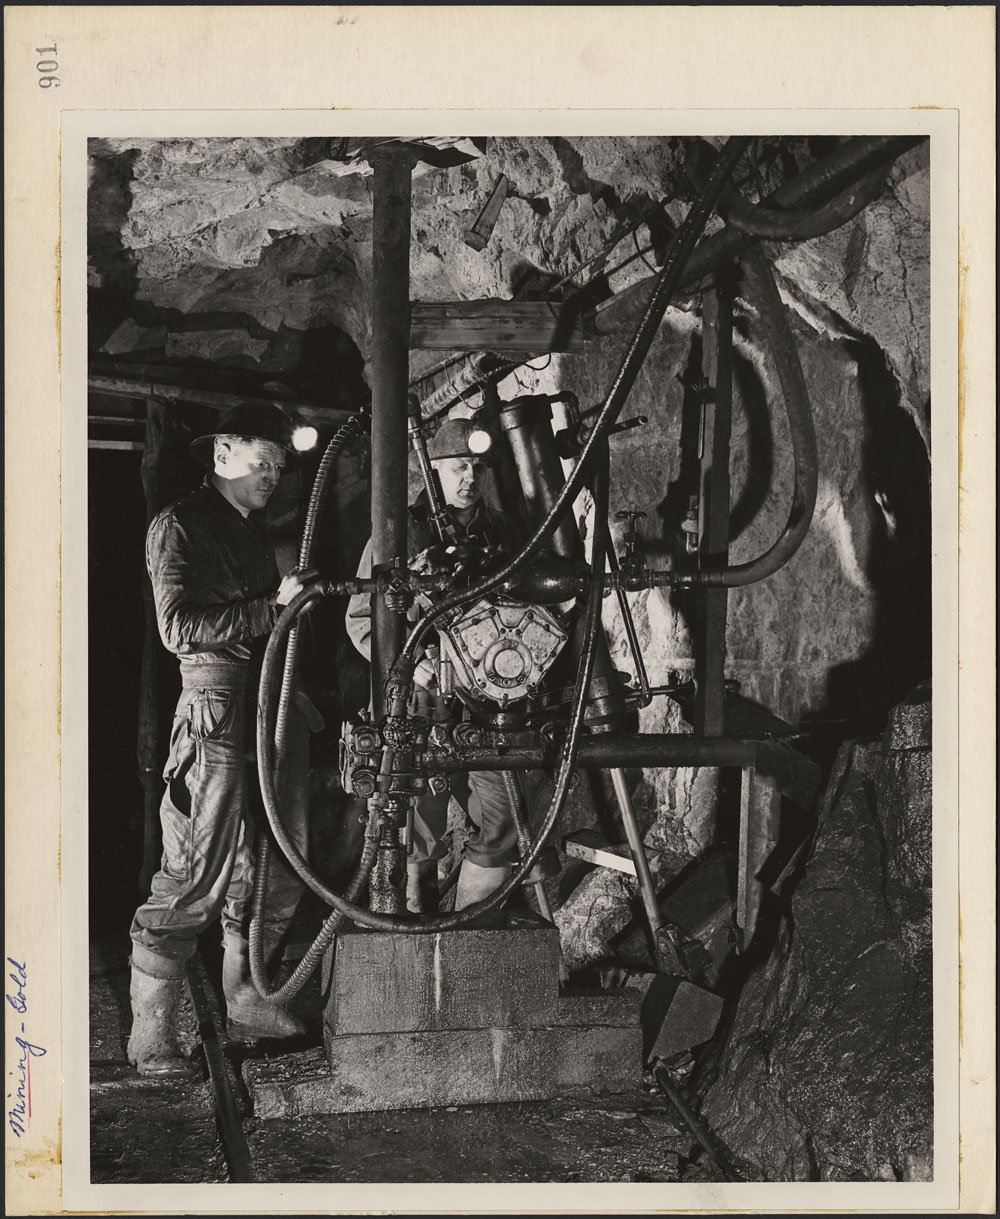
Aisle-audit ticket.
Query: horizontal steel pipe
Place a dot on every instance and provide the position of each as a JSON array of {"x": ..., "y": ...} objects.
[
  {"x": 604, "y": 751},
  {"x": 145, "y": 388}
]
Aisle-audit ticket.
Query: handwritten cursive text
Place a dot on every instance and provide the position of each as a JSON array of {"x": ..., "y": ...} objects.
[{"x": 19, "y": 1113}]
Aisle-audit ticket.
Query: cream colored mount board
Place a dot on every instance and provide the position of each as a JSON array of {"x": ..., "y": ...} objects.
[{"x": 77, "y": 71}]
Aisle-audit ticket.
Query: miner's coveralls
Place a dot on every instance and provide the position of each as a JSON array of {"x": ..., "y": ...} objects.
[
  {"x": 213, "y": 575},
  {"x": 493, "y": 842}
]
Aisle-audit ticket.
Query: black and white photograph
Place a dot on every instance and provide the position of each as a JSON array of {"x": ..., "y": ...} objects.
[
  {"x": 500, "y": 550},
  {"x": 510, "y": 686}
]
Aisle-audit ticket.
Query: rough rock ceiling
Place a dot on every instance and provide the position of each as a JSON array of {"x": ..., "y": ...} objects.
[{"x": 229, "y": 250}]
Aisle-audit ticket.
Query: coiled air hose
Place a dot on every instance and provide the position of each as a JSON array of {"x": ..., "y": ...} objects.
[
  {"x": 758, "y": 220},
  {"x": 351, "y": 430},
  {"x": 763, "y": 292}
]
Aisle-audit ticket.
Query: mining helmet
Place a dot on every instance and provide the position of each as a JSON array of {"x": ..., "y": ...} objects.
[
  {"x": 256, "y": 421},
  {"x": 452, "y": 440}
]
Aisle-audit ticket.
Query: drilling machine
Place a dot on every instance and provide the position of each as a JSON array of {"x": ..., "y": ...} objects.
[{"x": 520, "y": 640}]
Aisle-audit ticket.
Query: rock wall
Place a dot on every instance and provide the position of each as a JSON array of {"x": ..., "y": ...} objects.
[
  {"x": 826, "y": 1073},
  {"x": 838, "y": 632}
]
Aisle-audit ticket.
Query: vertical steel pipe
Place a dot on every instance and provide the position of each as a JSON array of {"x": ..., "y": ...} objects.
[
  {"x": 389, "y": 375},
  {"x": 527, "y": 423},
  {"x": 711, "y": 604}
]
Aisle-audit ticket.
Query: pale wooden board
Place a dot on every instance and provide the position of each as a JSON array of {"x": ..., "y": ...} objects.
[{"x": 338, "y": 70}]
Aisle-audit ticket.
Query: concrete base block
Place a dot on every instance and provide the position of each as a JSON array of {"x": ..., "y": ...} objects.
[
  {"x": 463, "y": 1017},
  {"x": 610, "y": 1008},
  {"x": 452, "y": 1067},
  {"x": 503, "y": 971}
]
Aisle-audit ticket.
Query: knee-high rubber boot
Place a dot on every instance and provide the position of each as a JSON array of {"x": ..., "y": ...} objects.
[
  {"x": 422, "y": 888},
  {"x": 476, "y": 882},
  {"x": 153, "y": 1046},
  {"x": 250, "y": 1016}
]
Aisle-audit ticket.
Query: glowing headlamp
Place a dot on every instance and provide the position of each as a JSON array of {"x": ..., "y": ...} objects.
[
  {"x": 480, "y": 440},
  {"x": 304, "y": 437}
]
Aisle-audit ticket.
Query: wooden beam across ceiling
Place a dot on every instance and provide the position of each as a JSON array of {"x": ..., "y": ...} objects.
[{"x": 493, "y": 325}]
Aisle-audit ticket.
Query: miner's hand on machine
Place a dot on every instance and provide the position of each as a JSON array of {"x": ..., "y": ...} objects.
[
  {"x": 292, "y": 583},
  {"x": 473, "y": 529}
]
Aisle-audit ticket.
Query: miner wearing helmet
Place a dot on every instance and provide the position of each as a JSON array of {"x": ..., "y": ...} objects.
[
  {"x": 492, "y": 845},
  {"x": 217, "y": 592}
]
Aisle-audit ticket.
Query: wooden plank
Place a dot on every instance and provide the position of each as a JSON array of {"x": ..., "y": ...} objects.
[
  {"x": 591, "y": 847},
  {"x": 493, "y": 325}
]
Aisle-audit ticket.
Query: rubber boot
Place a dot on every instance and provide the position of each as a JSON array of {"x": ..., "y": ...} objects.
[
  {"x": 153, "y": 1047},
  {"x": 250, "y": 1016},
  {"x": 476, "y": 882},
  {"x": 422, "y": 889}
]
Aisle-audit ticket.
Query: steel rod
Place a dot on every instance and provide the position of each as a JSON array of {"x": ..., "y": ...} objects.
[
  {"x": 645, "y": 878},
  {"x": 693, "y": 1124}
]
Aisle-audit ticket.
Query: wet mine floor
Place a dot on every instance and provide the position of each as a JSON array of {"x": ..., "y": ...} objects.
[{"x": 150, "y": 1131}]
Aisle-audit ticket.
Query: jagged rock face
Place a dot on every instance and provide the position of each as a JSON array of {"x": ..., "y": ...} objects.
[
  {"x": 826, "y": 1074},
  {"x": 882, "y": 285},
  {"x": 251, "y": 225},
  {"x": 272, "y": 228}
]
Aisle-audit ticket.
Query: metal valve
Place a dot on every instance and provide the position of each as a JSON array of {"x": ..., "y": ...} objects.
[
  {"x": 690, "y": 526},
  {"x": 398, "y": 596},
  {"x": 631, "y": 560}
]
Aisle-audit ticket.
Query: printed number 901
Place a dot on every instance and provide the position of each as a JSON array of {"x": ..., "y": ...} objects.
[{"x": 46, "y": 67}]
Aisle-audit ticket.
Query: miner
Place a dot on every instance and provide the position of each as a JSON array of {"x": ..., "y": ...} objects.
[
  {"x": 217, "y": 593},
  {"x": 492, "y": 845}
]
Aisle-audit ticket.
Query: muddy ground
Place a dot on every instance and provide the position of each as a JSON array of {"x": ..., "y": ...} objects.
[{"x": 148, "y": 1131}]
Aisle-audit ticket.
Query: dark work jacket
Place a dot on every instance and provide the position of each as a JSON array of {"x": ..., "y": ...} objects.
[
  {"x": 213, "y": 573},
  {"x": 486, "y": 525}
]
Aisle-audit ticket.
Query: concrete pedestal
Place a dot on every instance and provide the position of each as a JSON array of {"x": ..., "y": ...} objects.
[{"x": 459, "y": 1017}]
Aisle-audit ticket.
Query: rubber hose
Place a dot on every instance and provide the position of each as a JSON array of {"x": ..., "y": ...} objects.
[
  {"x": 314, "y": 954},
  {"x": 837, "y": 172},
  {"x": 758, "y": 221},
  {"x": 764, "y": 294},
  {"x": 385, "y": 922},
  {"x": 666, "y": 282}
]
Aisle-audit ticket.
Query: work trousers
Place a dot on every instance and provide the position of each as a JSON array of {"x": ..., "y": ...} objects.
[
  {"x": 481, "y": 793},
  {"x": 209, "y": 815}
]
